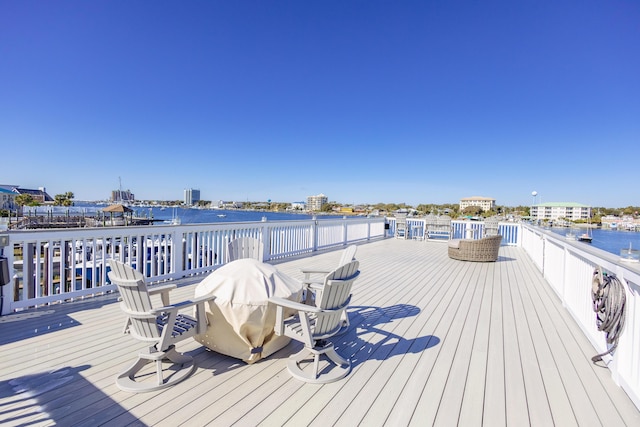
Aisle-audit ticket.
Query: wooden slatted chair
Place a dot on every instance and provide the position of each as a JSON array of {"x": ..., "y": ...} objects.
[
  {"x": 402, "y": 231},
  {"x": 316, "y": 276},
  {"x": 491, "y": 226},
  {"x": 313, "y": 285},
  {"x": 160, "y": 327},
  {"x": 440, "y": 228},
  {"x": 245, "y": 247},
  {"x": 162, "y": 290},
  {"x": 313, "y": 325}
]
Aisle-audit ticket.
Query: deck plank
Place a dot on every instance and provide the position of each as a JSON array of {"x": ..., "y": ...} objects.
[{"x": 432, "y": 341}]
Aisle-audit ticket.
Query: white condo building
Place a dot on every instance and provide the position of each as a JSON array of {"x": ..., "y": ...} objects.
[
  {"x": 555, "y": 210},
  {"x": 486, "y": 203},
  {"x": 315, "y": 203}
]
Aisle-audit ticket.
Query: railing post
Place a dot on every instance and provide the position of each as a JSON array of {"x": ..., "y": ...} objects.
[
  {"x": 28, "y": 279},
  {"x": 345, "y": 234},
  {"x": 314, "y": 234},
  {"x": 266, "y": 240},
  {"x": 177, "y": 254}
]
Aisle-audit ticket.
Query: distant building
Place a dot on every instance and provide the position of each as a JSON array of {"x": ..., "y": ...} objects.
[
  {"x": 486, "y": 203},
  {"x": 7, "y": 198},
  {"x": 122, "y": 196},
  {"x": 297, "y": 206},
  {"x": 40, "y": 195},
  {"x": 191, "y": 196},
  {"x": 8, "y": 195},
  {"x": 222, "y": 204},
  {"x": 554, "y": 210},
  {"x": 315, "y": 203}
]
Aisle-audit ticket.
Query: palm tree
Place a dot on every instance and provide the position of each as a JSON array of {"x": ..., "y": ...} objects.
[
  {"x": 22, "y": 200},
  {"x": 65, "y": 199}
]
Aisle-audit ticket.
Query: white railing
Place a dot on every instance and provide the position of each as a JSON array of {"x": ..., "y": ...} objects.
[
  {"x": 49, "y": 266},
  {"x": 568, "y": 267},
  {"x": 460, "y": 229}
]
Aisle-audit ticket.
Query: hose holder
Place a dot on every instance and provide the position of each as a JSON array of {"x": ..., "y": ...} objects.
[{"x": 609, "y": 303}]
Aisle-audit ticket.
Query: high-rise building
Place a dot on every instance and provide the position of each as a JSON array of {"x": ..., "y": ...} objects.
[
  {"x": 315, "y": 203},
  {"x": 120, "y": 196},
  {"x": 191, "y": 196}
]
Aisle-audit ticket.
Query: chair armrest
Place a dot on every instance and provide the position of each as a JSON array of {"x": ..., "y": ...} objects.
[
  {"x": 312, "y": 284},
  {"x": 282, "y": 302},
  {"x": 163, "y": 291},
  {"x": 182, "y": 304},
  {"x": 305, "y": 271},
  {"x": 153, "y": 290}
]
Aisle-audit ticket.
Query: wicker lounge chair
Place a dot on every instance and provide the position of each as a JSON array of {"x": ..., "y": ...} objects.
[{"x": 483, "y": 250}]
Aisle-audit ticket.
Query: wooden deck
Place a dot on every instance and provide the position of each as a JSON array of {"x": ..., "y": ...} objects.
[{"x": 433, "y": 341}]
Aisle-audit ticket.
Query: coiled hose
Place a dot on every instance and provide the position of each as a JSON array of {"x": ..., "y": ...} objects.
[{"x": 609, "y": 299}]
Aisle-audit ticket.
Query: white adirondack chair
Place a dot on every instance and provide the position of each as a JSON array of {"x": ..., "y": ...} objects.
[
  {"x": 162, "y": 290},
  {"x": 313, "y": 285},
  {"x": 161, "y": 328},
  {"x": 245, "y": 247},
  {"x": 317, "y": 275},
  {"x": 312, "y": 325}
]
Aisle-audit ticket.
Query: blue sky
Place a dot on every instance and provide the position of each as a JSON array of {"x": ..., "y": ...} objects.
[{"x": 365, "y": 101}]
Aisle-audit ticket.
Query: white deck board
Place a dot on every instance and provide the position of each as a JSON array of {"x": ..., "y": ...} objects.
[{"x": 433, "y": 341}]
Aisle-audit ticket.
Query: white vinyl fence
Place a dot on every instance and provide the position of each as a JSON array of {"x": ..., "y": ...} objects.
[
  {"x": 568, "y": 267},
  {"x": 49, "y": 266}
]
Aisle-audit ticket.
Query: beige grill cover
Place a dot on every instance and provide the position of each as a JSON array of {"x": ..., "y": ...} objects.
[{"x": 241, "y": 320}]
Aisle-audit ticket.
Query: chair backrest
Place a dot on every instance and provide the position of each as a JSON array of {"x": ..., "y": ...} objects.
[
  {"x": 348, "y": 255},
  {"x": 401, "y": 218},
  {"x": 245, "y": 247},
  {"x": 136, "y": 302},
  {"x": 491, "y": 226},
  {"x": 444, "y": 220},
  {"x": 430, "y": 219},
  {"x": 335, "y": 298}
]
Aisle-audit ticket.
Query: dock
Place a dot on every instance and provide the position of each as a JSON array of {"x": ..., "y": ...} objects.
[{"x": 432, "y": 341}]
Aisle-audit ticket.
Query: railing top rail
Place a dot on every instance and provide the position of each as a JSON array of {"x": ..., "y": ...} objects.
[{"x": 607, "y": 260}]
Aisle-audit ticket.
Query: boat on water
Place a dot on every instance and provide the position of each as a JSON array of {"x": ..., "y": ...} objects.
[
  {"x": 175, "y": 219},
  {"x": 221, "y": 216},
  {"x": 585, "y": 237},
  {"x": 571, "y": 234}
]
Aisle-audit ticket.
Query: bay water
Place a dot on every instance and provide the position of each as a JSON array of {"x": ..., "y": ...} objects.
[
  {"x": 605, "y": 239},
  {"x": 608, "y": 240}
]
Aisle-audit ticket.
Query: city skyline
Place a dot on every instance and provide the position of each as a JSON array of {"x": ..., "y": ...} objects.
[{"x": 376, "y": 102}]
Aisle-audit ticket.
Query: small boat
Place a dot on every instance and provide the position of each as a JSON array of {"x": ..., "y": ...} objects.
[
  {"x": 221, "y": 215},
  {"x": 585, "y": 237}
]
